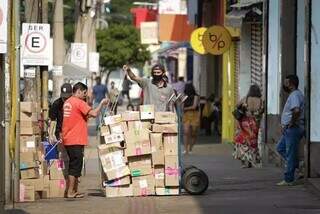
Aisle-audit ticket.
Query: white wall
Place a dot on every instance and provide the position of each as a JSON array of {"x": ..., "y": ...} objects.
[
  {"x": 315, "y": 72},
  {"x": 274, "y": 58},
  {"x": 245, "y": 60},
  {"x": 300, "y": 43}
]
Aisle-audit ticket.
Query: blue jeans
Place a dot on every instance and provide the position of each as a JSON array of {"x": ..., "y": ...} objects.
[
  {"x": 287, "y": 147},
  {"x": 101, "y": 114}
]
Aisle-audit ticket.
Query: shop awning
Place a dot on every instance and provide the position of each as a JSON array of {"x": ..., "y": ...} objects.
[
  {"x": 244, "y": 11},
  {"x": 235, "y": 17},
  {"x": 73, "y": 71},
  {"x": 246, "y": 3}
]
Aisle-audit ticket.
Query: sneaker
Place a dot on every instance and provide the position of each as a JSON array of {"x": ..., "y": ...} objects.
[{"x": 284, "y": 183}]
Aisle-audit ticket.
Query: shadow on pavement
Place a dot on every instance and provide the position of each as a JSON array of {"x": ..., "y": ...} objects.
[{"x": 16, "y": 211}]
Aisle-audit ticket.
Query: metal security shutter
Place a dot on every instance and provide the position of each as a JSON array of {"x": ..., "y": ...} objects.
[{"x": 256, "y": 54}]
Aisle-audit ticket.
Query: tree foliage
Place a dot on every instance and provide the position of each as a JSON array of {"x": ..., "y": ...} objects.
[{"x": 119, "y": 45}]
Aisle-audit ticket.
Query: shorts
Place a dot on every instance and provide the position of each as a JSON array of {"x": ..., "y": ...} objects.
[
  {"x": 191, "y": 118},
  {"x": 75, "y": 153}
]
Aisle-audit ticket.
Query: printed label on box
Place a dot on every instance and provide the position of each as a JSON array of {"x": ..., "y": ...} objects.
[
  {"x": 30, "y": 144},
  {"x": 143, "y": 183},
  {"x": 159, "y": 176}
]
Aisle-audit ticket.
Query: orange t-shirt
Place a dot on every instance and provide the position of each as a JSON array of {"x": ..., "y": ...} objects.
[{"x": 74, "y": 126}]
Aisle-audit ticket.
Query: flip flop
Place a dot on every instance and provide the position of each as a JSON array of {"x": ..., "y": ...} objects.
[{"x": 77, "y": 195}]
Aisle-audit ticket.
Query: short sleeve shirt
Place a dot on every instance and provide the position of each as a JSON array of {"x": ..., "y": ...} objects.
[
  {"x": 74, "y": 127},
  {"x": 295, "y": 100},
  {"x": 56, "y": 114},
  {"x": 154, "y": 95},
  {"x": 99, "y": 92}
]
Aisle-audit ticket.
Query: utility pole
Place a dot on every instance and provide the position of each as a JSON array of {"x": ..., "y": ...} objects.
[
  {"x": 86, "y": 29},
  {"x": 58, "y": 47},
  {"x": 32, "y": 85},
  {"x": 15, "y": 116},
  {"x": 2, "y": 134},
  {"x": 44, "y": 69}
]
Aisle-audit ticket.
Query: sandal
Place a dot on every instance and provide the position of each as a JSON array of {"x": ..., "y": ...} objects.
[{"x": 76, "y": 195}]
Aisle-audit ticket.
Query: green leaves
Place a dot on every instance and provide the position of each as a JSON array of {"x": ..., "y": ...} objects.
[{"x": 119, "y": 45}]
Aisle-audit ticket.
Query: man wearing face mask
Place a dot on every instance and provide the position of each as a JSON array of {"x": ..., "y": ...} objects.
[
  {"x": 292, "y": 125},
  {"x": 156, "y": 91},
  {"x": 75, "y": 133}
]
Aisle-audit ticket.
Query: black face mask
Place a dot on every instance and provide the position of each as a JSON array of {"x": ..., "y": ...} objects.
[
  {"x": 157, "y": 78},
  {"x": 286, "y": 89}
]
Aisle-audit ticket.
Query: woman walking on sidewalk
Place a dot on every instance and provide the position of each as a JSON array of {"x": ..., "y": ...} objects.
[
  {"x": 246, "y": 139},
  {"x": 191, "y": 117}
]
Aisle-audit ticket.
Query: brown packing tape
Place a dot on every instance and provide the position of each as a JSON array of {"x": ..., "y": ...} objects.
[{"x": 165, "y": 128}]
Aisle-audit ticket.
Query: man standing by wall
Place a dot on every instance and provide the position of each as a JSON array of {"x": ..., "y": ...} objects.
[
  {"x": 75, "y": 133},
  {"x": 292, "y": 124}
]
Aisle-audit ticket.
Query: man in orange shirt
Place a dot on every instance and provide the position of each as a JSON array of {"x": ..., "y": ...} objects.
[{"x": 75, "y": 133}]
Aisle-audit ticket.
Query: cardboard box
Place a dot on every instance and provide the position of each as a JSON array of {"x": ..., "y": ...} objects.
[
  {"x": 167, "y": 190},
  {"x": 165, "y": 128},
  {"x": 27, "y": 193},
  {"x": 28, "y": 107},
  {"x": 137, "y": 142},
  {"x": 36, "y": 183},
  {"x": 29, "y": 128},
  {"x": 170, "y": 142},
  {"x": 118, "y": 182},
  {"x": 112, "y": 147},
  {"x": 29, "y": 173},
  {"x": 111, "y": 160},
  {"x": 120, "y": 191},
  {"x": 108, "y": 120},
  {"x": 104, "y": 130},
  {"x": 130, "y": 115},
  {"x": 118, "y": 128},
  {"x": 43, "y": 168},
  {"x": 113, "y": 138},
  {"x": 147, "y": 112},
  {"x": 57, "y": 188},
  {"x": 45, "y": 193},
  {"x": 134, "y": 125},
  {"x": 28, "y": 160},
  {"x": 159, "y": 176},
  {"x": 157, "y": 149},
  {"x": 56, "y": 169},
  {"x": 29, "y": 143},
  {"x": 119, "y": 172},
  {"x": 140, "y": 165},
  {"x": 31, "y": 117},
  {"x": 165, "y": 117},
  {"x": 143, "y": 185},
  {"x": 171, "y": 170}
]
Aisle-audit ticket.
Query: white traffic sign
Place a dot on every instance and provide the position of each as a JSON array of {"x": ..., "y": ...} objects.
[
  {"x": 3, "y": 25},
  {"x": 79, "y": 54},
  {"x": 94, "y": 62},
  {"x": 35, "y": 44}
]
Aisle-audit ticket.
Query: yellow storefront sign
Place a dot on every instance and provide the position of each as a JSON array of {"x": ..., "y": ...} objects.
[
  {"x": 216, "y": 40},
  {"x": 196, "y": 40}
]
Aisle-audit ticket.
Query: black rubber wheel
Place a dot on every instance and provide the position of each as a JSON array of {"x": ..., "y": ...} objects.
[
  {"x": 195, "y": 181},
  {"x": 186, "y": 169}
]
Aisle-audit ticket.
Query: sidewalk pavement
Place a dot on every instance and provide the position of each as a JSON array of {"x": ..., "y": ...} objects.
[{"x": 232, "y": 190}]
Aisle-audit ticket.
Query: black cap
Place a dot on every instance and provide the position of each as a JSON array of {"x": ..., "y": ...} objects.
[{"x": 66, "y": 90}]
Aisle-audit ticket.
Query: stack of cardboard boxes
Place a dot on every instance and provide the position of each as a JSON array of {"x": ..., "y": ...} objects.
[
  {"x": 38, "y": 179},
  {"x": 29, "y": 155},
  {"x": 140, "y": 154}
]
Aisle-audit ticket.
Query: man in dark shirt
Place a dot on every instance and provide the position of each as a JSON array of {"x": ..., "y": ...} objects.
[
  {"x": 99, "y": 92},
  {"x": 56, "y": 112}
]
